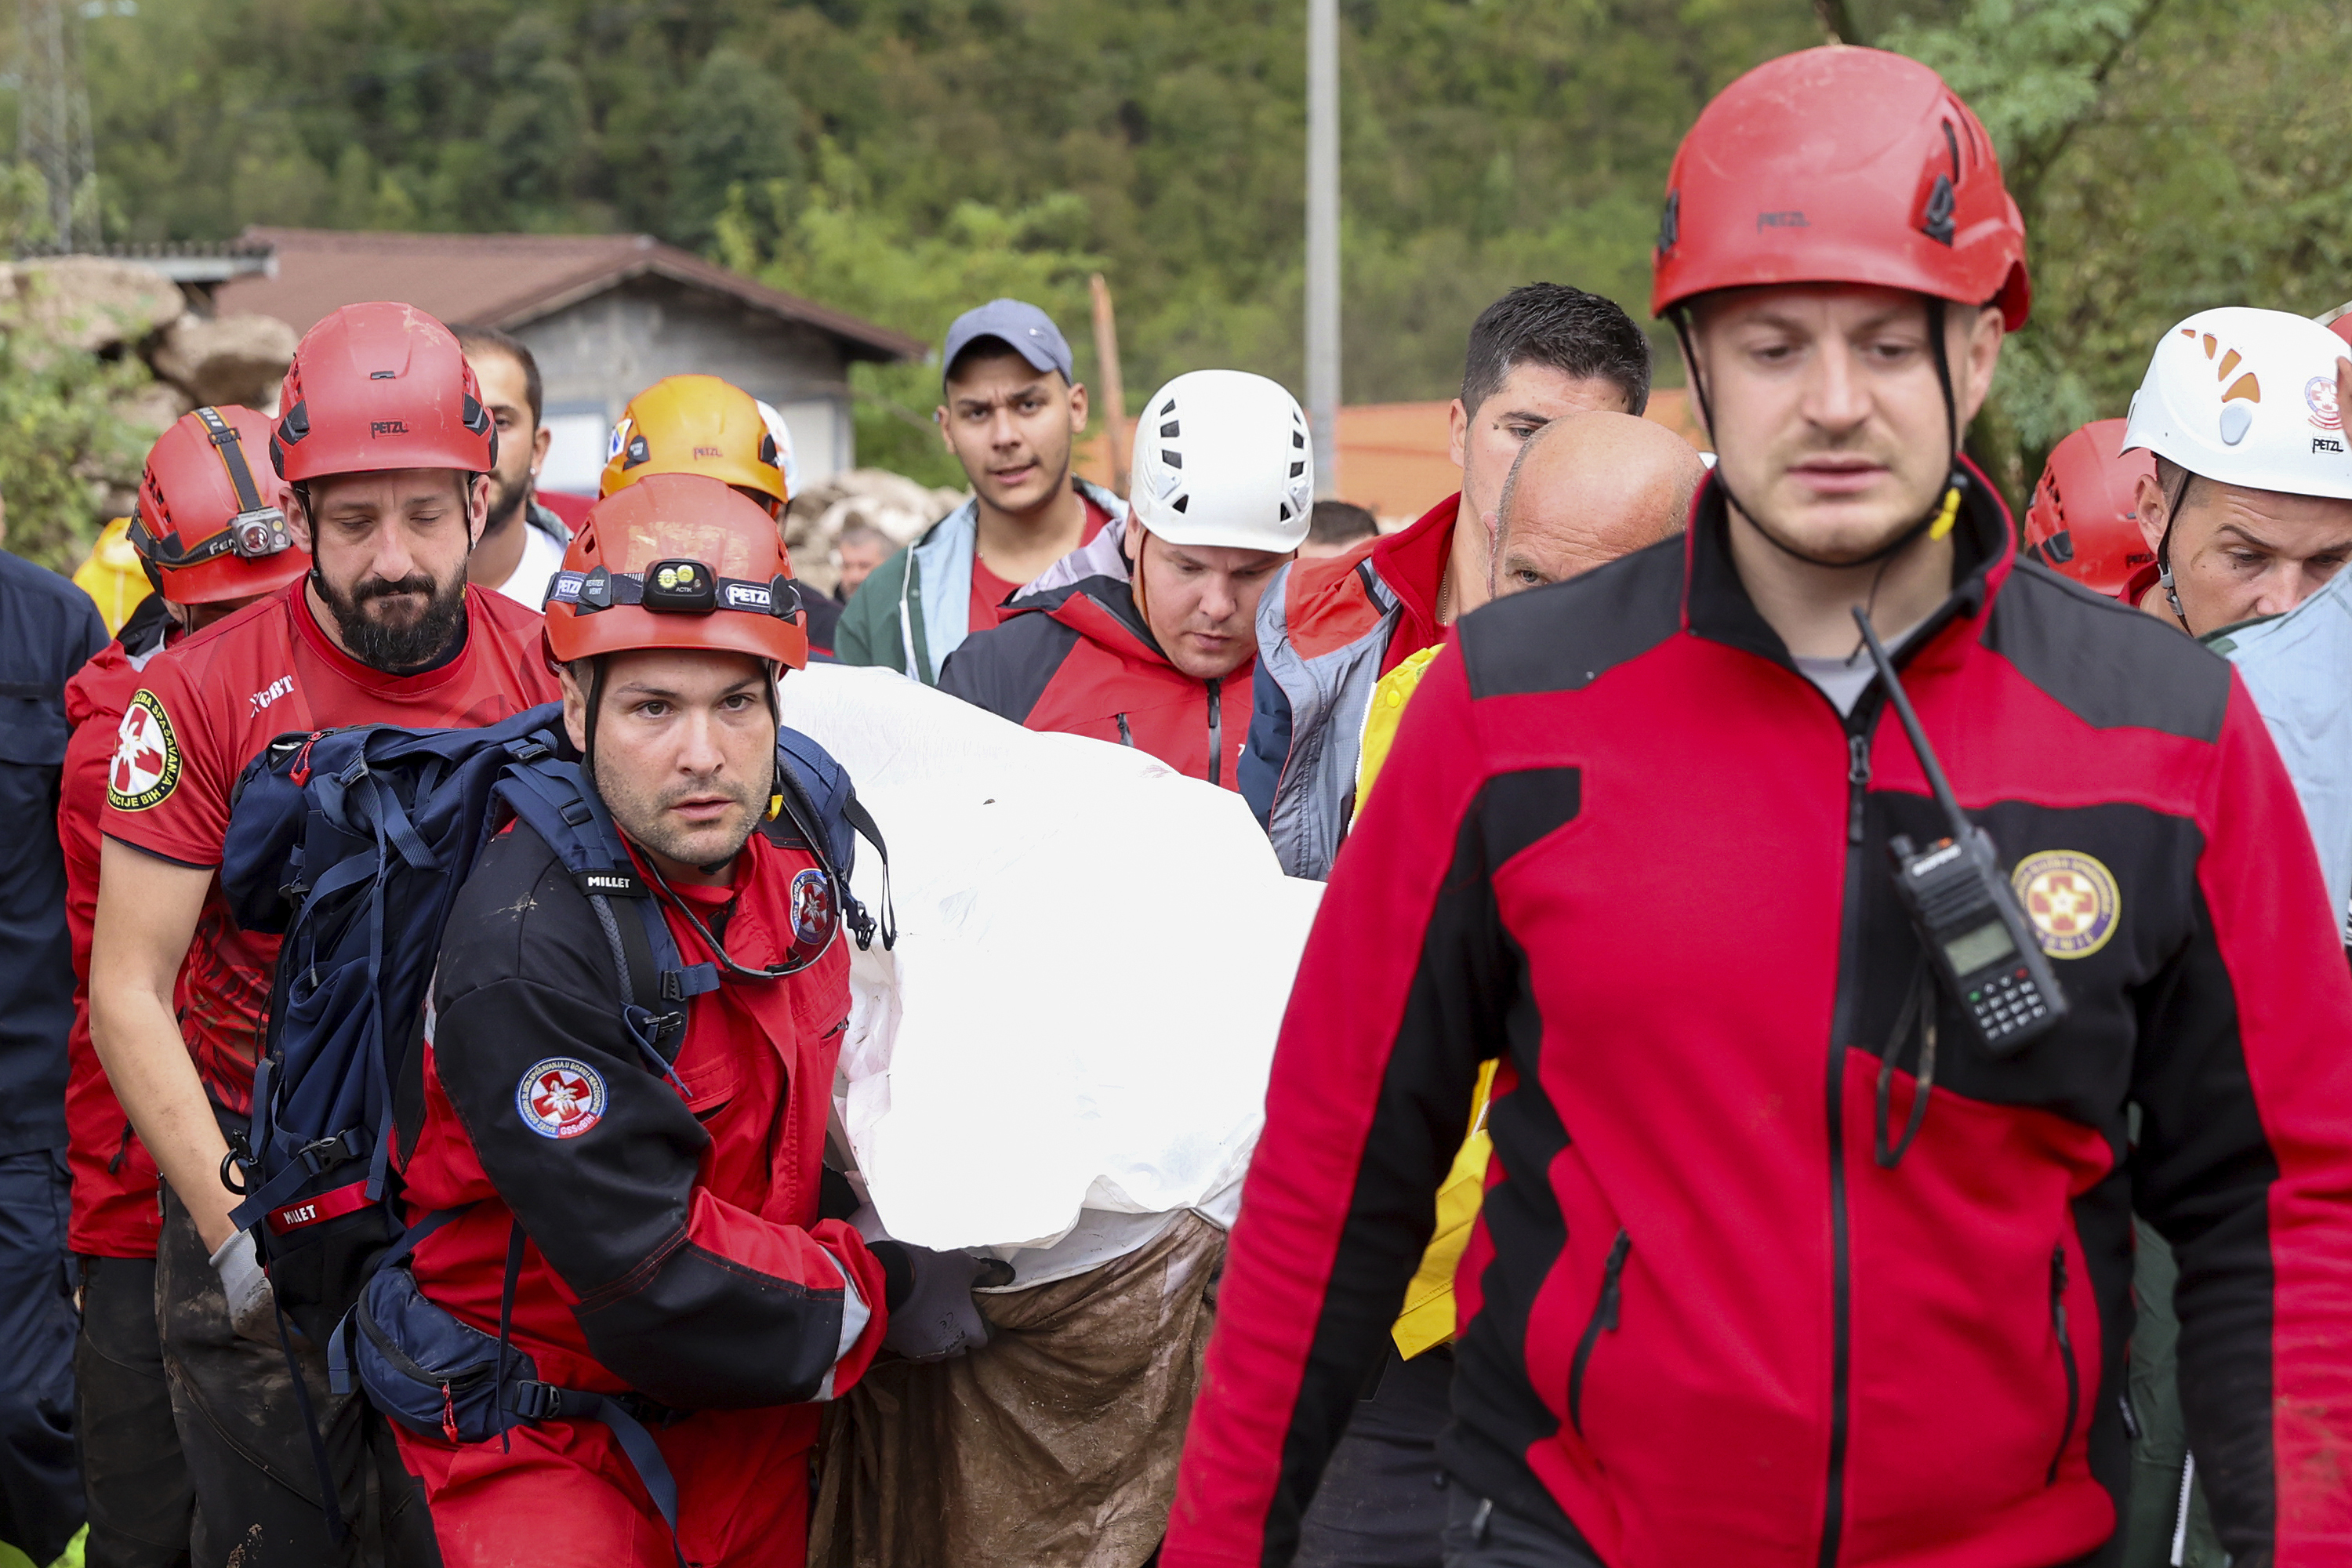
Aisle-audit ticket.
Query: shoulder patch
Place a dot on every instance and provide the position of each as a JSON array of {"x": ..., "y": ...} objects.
[
  {"x": 560, "y": 1096},
  {"x": 146, "y": 766},
  {"x": 1566, "y": 636},
  {"x": 2111, "y": 665}
]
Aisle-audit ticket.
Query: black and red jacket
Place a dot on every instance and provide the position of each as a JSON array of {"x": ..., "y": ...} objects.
[
  {"x": 1075, "y": 656},
  {"x": 675, "y": 1243},
  {"x": 1624, "y": 845}
]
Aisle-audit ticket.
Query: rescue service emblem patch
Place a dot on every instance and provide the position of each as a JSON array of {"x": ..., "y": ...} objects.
[
  {"x": 812, "y": 905},
  {"x": 2071, "y": 898},
  {"x": 146, "y": 766},
  {"x": 559, "y": 1098}
]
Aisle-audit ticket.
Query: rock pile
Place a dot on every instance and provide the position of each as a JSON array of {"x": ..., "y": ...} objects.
[
  {"x": 113, "y": 307},
  {"x": 896, "y": 505}
]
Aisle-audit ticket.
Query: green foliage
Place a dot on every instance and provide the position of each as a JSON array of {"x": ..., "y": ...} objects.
[
  {"x": 829, "y": 240},
  {"x": 1486, "y": 144},
  {"x": 63, "y": 433},
  {"x": 2168, "y": 157},
  {"x": 908, "y": 158}
]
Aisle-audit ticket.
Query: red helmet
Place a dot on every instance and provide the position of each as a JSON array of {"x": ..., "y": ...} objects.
[
  {"x": 1841, "y": 165},
  {"x": 676, "y": 561},
  {"x": 2082, "y": 521},
  {"x": 208, "y": 526},
  {"x": 380, "y": 386}
]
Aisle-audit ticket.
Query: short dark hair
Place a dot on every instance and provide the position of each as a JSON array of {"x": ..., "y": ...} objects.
[
  {"x": 474, "y": 339},
  {"x": 1341, "y": 523},
  {"x": 1566, "y": 328}
]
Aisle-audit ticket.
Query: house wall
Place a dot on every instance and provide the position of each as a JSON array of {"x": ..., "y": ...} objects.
[{"x": 594, "y": 355}]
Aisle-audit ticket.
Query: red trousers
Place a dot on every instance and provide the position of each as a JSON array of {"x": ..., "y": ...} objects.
[{"x": 565, "y": 1493}]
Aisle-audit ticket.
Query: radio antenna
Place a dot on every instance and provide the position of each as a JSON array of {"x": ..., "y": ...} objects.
[{"x": 1911, "y": 726}]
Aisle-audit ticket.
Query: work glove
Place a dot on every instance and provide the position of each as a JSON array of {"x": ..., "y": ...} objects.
[
  {"x": 933, "y": 1316},
  {"x": 252, "y": 1306}
]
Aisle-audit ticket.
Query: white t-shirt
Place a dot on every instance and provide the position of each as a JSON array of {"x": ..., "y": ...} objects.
[{"x": 543, "y": 558}]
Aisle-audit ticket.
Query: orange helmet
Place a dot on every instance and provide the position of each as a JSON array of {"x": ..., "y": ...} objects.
[
  {"x": 696, "y": 424},
  {"x": 205, "y": 523},
  {"x": 676, "y": 561},
  {"x": 2082, "y": 521}
]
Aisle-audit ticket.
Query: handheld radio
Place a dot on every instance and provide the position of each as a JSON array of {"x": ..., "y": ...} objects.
[{"x": 1965, "y": 911}]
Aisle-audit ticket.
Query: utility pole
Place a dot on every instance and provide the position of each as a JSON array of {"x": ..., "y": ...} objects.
[
  {"x": 53, "y": 131},
  {"x": 1323, "y": 240},
  {"x": 1114, "y": 389}
]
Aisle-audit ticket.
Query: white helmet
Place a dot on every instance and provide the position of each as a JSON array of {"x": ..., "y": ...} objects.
[
  {"x": 1221, "y": 459},
  {"x": 2246, "y": 397},
  {"x": 774, "y": 421}
]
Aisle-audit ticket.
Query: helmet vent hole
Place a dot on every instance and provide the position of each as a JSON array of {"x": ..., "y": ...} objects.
[
  {"x": 1296, "y": 469},
  {"x": 1168, "y": 431},
  {"x": 1182, "y": 503},
  {"x": 1173, "y": 460}
]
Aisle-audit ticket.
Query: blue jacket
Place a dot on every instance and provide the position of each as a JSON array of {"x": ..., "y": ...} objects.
[
  {"x": 49, "y": 629},
  {"x": 2298, "y": 669}
]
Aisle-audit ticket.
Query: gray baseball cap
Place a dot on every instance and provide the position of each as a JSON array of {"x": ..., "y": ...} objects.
[{"x": 1023, "y": 328}]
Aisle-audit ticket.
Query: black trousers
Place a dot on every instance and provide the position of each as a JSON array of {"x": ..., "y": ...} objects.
[
  {"x": 40, "y": 1485},
  {"x": 140, "y": 1505},
  {"x": 1382, "y": 1500},
  {"x": 249, "y": 1445}
]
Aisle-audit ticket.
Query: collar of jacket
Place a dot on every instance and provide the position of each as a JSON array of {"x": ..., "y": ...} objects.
[
  {"x": 1092, "y": 591},
  {"x": 1412, "y": 563},
  {"x": 545, "y": 519},
  {"x": 1716, "y": 605},
  {"x": 938, "y": 578}
]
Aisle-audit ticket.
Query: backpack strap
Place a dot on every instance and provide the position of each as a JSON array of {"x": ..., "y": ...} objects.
[
  {"x": 815, "y": 831},
  {"x": 552, "y": 797}
]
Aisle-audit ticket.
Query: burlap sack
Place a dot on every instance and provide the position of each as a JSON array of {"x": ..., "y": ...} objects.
[{"x": 1053, "y": 1446}]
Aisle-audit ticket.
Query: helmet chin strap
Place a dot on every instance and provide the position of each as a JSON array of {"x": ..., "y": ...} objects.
[
  {"x": 1935, "y": 523},
  {"x": 2163, "y": 550}
]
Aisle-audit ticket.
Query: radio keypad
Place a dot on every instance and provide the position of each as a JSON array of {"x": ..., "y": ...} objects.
[{"x": 2006, "y": 1002}]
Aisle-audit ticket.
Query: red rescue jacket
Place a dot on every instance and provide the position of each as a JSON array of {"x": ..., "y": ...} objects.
[
  {"x": 1074, "y": 655},
  {"x": 1623, "y": 846},
  {"x": 115, "y": 1180},
  {"x": 673, "y": 1243}
]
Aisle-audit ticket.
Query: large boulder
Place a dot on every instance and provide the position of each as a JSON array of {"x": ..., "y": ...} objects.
[
  {"x": 92, "y": 302},
  {"x": 228, "y": 359}
]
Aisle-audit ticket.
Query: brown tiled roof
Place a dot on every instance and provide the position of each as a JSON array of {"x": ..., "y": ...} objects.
[{"x": 507, "y": 279}]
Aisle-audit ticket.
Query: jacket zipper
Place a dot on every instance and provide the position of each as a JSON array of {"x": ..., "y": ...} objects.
[
  {"x": 1604, "y": 1316},
  {"x": 1857, "y": 780},
  {"x": 1217, "y": 732},
  {"x": 2065, "y": 1354}
]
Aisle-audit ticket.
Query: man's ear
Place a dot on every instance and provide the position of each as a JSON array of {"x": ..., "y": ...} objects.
[
  {"x": 298, "y": 519},
  {"x": 1981, "y": 354},
  {"x": 1078, "y": 407},
  {"x": 540, "y": 441},
  {"x": 2148, "y": 507},
  {"x": 939, "y": 419},
  {"x": 575, "y": 707},
  {"x": 1457, "y": 420},
  {"x": 477, "y": 509}
]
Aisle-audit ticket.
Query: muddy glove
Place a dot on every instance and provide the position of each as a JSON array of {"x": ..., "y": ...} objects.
[
  {"x": 928, "y": 1294},
  {"x": 252, "y": 1308}
]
